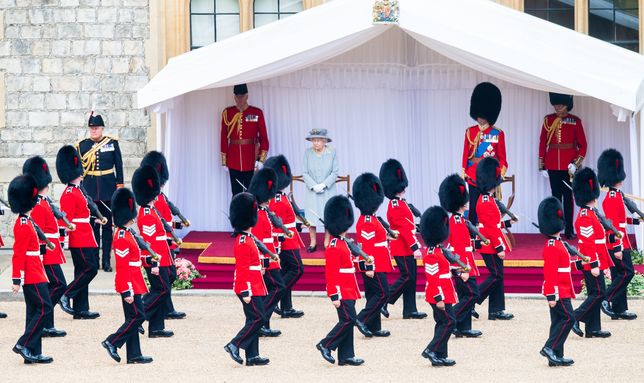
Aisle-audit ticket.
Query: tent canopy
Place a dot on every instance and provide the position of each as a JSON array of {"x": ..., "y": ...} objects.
[{"x": 485, "y": 36}]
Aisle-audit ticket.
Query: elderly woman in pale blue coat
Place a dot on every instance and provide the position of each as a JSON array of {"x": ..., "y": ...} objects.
[{"x": 320, "y": 172}]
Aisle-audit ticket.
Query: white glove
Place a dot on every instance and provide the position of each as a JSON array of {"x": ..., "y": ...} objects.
[
  {"x": 258, "y": 165},
  {"x": 544, "y": 173},
  {"x": 572, "y": 168},
  {"x": 319, "y": 188}
]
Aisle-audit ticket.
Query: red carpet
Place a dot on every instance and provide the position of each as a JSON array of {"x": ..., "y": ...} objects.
[{"x": 211, "y": 252}]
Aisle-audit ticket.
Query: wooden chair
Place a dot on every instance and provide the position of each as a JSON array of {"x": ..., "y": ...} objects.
[
  {"x": 512, "y": 180},
  {"x": 346, "y": 179}
]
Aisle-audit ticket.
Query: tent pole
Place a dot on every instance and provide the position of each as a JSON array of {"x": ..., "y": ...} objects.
[{"x": 636, "y": 160}]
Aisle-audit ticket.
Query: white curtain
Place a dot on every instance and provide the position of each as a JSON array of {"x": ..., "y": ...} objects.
[{"x": 390, "y": 98}]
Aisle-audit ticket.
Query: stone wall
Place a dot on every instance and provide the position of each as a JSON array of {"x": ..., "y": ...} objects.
[{"x": 60, "y": 58}]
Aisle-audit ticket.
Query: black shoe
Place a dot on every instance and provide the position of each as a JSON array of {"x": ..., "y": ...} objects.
[
  {"x": 384, "y": 311},
  {"x": 141, "y": 330},
  {"x": 500, "y": 315},
  {"x": 107, "y": 268},
  {"x": 326, "y": 353},
  {"x": 42, "y": 359},
  {"x": 257, "y": 361},
  {"x": 312, "y": 249},
  {"x": 270, "y": 333},
  {"x": 415, "y": 315},
  {"x": 64, "y": 304},
  {"x": 278, "y": 311},
  {"x": 577, "y": 330},
  {"x": 627, "y": 315},
  {"x": 553, "y": 359},
  {"x": 381, "y": 333},
  {"x": 566, "y": 361},
  {"x": 233, "y": 351},
  {"x": 53, "y": 333},
  {"x": 175, "y": 315},
  {"x": 598, "y": 334},
  {"x": 86, "y": 315},
  {"x": 3, "y": 315},
  {"x": 140, "y": 360},
  {"x": 467, "y": 333},
  {"x": 605, "y": 307},
  {"x": 363, "y": 329},
  {"x": 160, "y": 334},
  {"x": 436, "y": 361},
  {"x": 111, "y": 351},
  {"x": 448, "y": 362},
  {"x": 474, "y": 314},
  {"x": 26, "y": 354},
  {"x": 292, "y": 313},
  {"x": 351, "y": 362}
]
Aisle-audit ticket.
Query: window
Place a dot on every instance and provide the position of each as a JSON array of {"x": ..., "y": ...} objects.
[
  {"x": 267, "y": 11},
  {"x": 615, "y": 21},
  {"x": 212, "y": 20},
  {"x": 560, "y": 12}
]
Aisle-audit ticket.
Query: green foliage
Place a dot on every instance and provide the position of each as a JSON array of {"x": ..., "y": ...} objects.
[
  {"x": 636, "y": 256},
  {"x": 634, "y": 289}
]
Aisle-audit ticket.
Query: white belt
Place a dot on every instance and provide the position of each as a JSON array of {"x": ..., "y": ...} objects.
[
  {"x": 600, "y": 241},
  {"x": 622, "y": 225},
  {"x": 445, "y": 276},
  {"x": 33, "y": 253},
  {"x": 267, "y": 240},
  {"x": 564, "y": 269},
  {"x": 52, "y": 235},
  {"x": 347, "y": 270},
  {"x": 81, "y": 220},
  {"x": 290, "y": 225},
  {"x": 162, "y": 238},
  {"x": 381, "y": 244},
  {"x": 498, "y": 225},
  {"x": 135, "y": 264},
  {"x": 255, "y": 268},
  {"x": 469, "y": 248}
]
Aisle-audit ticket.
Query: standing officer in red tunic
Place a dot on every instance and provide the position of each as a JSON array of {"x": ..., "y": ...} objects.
[
  {"x": 454, "y": 198},
  {"x": 341, "y": 283},
  {"x": 557, "y": 282},
  {"x": 439, "y": 291},
  {"x": 243, "y": 130},
  {"x": 372, "y": 236},
  {"x": 27, "y": 268},
  {"x": 82, "y": 244},
  {"x": 264, "y": 187},
  {"x": 128, "y": 281},
  {"x": 405, "y": 248},
  {"x": 562, "y": 148},
  {"x": 291, "y": 243},
  {"x": 610, "y": 172},
  {"x": 483, "y": 139},
  {"x": 43, "y": 216},
  {"x": 248, "y": 282}
]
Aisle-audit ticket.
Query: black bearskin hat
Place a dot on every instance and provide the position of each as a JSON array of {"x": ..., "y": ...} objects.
[
  {"x": 263, "y": 185},
  {"x": 367, "y": 193},
  {"x": 282, "y": 168},
  {"x": 550, "y": 216},
  {"x": 434, "y": 226},
  {"x": 37, "y": 167},
  {"x": 23, "y": 194},
  {"x": 585, "y": 186},
  {"x": 68, "y": 164},
  {"x": 123, "y": 207},
  {"x": 488, "y": 174},
  {"x": 561, "y": 99},
  {"x": 338, "y": 215},
  {"x": 243, "y": 211},
  {"x": 486, "y": 102},
  {"x": 610, "y": 168},
  {"x": 453, "y": 193},
  {"x": 145, "y": 184},
  {"x": 158, "y": 162},
  {"x": 393, "y": 178}
]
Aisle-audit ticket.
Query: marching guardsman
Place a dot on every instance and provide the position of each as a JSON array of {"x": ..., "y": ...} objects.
[
  {"x": 405, "y": 248},
  {"x": 454, "y": 198},
  {"x": 372, "y": 236},
  {"x": 483, "y": 139},
  {"x": 102, "y": 175},
  {"x": 439, "y": 290},
  {"x": 488, "y": 177},
  {"x": 27, "y": 268},
  {"x": 592, "y": 243},
  {"x": 341, "y": 283},
  {"x": 248, "y": 282},
  {"x": 562, "y": 148},
  {"x": 610, "y": 172},
  {"x": 146, "y": 187},
  {"x": 82, "y": 244},
  {"x": 291, "y": 261},
  {"x": 43, "y": 216},
  {"x": 158, "y": 162},
  {"x": 128, "y": 281},
  {"x": 264, "y": 187},
  {"x": 244, "y": 140},
  {"x": 557, "y": 282}
]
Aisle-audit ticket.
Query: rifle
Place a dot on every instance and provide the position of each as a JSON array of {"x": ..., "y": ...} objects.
[
  {"x": 59, "y": 214},
  {"x": 176, "y": 212},
  {"x": 504, "y": 210},
  {"x": 392, "y": 233},
  {"x": 168, "y": 228},
  {"x": 570, "y": 248},
  {"x": 475, "y": 232},
  {"x": 42, "y": 236},
  {"x": 277, "y": 222},
  {"x": 142, "y": 244},
  {"x": 92, "y": 206},
  {"x": 354, "y": 248},
  {"x": 263, "y": 249},
  {"x": 413, "y": 209},
  {"x": 297, "y": 211},
  {"x": 454, "y": 258},
  {"x": 632, "y": 207},
  {"x": 608, "y": 225}
]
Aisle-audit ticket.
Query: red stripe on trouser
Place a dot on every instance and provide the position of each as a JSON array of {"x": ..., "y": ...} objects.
[
  {"x": 42, "y": 314},
  {"x": 484, "y": 292},
  {"x": 259, "y": 318},
  {"x": 294, "y": 280},
  {"x": 621, "y": 282},
  {"x": 554, "y": 344},
  {"x": 440, "y": 340},
  {"x": 376, "y": 307},
  {"x": 53, "y": 291},
  {"x": 81, "y": 274},
  {"x": 341, "y": 328},
  {"x": 580, "y": 317},
  {"x": 136, "y": 313},
  {"x": 270, "y": 276},
  {"x": 468, "y": 299},
  {"x": 163, "y": 292},
  {"x": 405, "y": 279}
]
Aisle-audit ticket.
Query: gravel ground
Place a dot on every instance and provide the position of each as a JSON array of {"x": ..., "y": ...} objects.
[{"x": 508, "y": 351}]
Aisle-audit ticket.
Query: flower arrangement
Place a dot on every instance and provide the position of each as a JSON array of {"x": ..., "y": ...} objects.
[{"x": 186, "y": 273}]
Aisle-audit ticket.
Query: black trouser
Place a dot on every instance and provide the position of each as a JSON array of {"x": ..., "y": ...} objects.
[
  {"x": 38, "y": 310},
  {"x": 376, "y": 290},
  {"x": 474, "y": 198},
  {"x": 564, "y": 194},
  {"x": 622, "y": 274},
  {"x": 248, "y": 337},
  {"x": 172, "y": 276},
  {"x": 445, "y": 324},
  {"x": 468, "y": 295},
  {"x": 493, "y": 286},
  {"x": 243, "y": 177},
  {"x": 275, "y": 287},
  {"x": 562, "y": 318},
  {"x": 128, "y": 333},
  {"x": 341, "y": 335},
  {"x": 85, "y": 268},
  {"x": 292, "y": 270},
  {"x": 589, "y": 311},
  {"x": 154, "y": 302},
  {"x": 57, "y": 286},
  {"x": 405, "y": 285},
  {"x": 103, "y": 233}
]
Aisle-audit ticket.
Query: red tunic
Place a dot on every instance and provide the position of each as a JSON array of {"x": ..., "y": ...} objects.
[
  {"x": 615, "y": 211},
  {"x": 263, "y": 231},
  {"x": 161, "y": 204},
  {"x": 240, "y": 132},
  {"x": 567, "y": 144},
  {"x": 401, "y": 219},
  {"x": 592, "y": 239},
  {"x": 248, "y": 280},
  {"x": 373, "y": 237},
  {"x": 557, "y": 282},
  {"x": 281, "y": 206},
  {"x": 461, "y": 242},
  {"x": 74, "y": 205},
  {"x": 26, "y": 261},
  {"x": 127, "y": 254},
  {"x": 341, "y": 283},
  {"x": 44, "y": 218},
  {"x": 152, "y": 231},
  {"x": 440, "y": 286},
  {"x": 490, "y": 224},
  {"x": 480, "y": 144}
]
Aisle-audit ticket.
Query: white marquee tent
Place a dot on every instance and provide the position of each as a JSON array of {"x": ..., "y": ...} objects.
[{"x": 394, "y": 91}]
